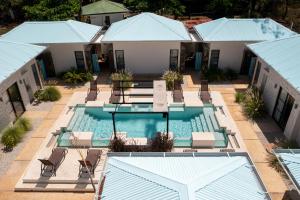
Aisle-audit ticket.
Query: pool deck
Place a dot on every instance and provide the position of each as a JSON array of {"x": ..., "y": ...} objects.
[{"x": 250, "y": 134}]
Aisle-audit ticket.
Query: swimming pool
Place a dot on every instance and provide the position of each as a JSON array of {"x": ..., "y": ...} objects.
[{"x": 182, "y": 122}]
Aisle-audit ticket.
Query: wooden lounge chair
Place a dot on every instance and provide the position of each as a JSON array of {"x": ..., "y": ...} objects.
[
  {"x": 52, "y": 163},
  {"x": 91, "y": 161},
  {"x": 177, "y": 93},
  {"x": 204, "y": 92},
  {"x": 92, "y": 92}
]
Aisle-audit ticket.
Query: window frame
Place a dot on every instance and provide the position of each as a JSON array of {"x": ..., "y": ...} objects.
[
  {"x": 212, "y": 57},
  {"x": 173, "y": 65},
  {"x": 80, "y": 62},
  {"x": 120, "y": 66}
]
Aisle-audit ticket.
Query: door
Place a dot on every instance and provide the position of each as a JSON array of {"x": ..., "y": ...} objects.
[
  {"x": 283, "y": 107},
  {"x": 198, "y": 61},
  {"x": 16, "y": 100},
  {"x": 79, "y": 57},
  {"x": 46, "y": 64},
  {"x": 36, "y": 76},
  {"x": 246, "y": 64}
]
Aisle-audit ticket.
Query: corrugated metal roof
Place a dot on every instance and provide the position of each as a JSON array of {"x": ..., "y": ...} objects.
[
  {"x": 47, "y": 32},
  {"x": 283, "y": 56},
  {"x": 291, "y": 160},
  {"x": 181, "y": 177},
  {"x": 15, "y": 55},
  {"x": 102, "y": 7},
  {"x": 225, "y": 29},
  {"x": 147, "y": 27}
]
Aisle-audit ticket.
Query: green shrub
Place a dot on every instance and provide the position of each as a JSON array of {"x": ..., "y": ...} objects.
[
  {"x": 170, "y": 77},
  {"x": 253, "y": 105},
  {"x": 50, "y": 93},
  {"x": 75, "y": 76},
  {"x": 230, "y": 74},
  {"x": 239, "y": 97},
  {"x": 12, "y": 136},
  {"x": 274, "y": 163},
  {"x": 122, "y": 76},
  {"x": 161, "y": 143},
  {"x": 117, "y": 145},
  {"x": 24, "y": 123},
  {"x": 214, "y": 74}
]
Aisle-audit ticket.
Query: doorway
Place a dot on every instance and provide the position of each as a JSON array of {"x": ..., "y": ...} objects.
[
  {"x": 248, "y": 63},
  {"x": 46, "y": 65},
  {"x": 283, "y": 108},
  {"x": 16, "y": 100},
  {"x": 29, "y": 90}
]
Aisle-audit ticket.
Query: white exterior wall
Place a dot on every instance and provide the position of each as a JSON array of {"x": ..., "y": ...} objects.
[
  {"x": 25, "y": 73},
  {"x": 270, "y": 95},
  {"x": 231, "y": 54},
  {"x": 147, "y": 57},
  {"x": 99, "y": 20},
  {"x": 63, "y": 56}
]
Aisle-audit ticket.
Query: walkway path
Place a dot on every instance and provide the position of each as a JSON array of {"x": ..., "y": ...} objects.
[{"x": 46, "y": 118}]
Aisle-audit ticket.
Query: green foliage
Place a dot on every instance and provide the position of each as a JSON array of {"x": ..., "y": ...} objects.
[
  {"x": 274, "y": 163},
  {"x": 230, "y": 74},
  {"x": 163, "y": 7},
  {"x": 171, "y": 77},
  {"x": 75, "y": 76},
  {"x": 13, "y": 135},
  {"x": 50, "y": 93},
  {"x": 122, "y": 76},
  {"x": 161, "y": 143},
  {"x": 239, "y": 97},
  {"x": 117, "y": 145},
  {"x": 24, "y": 123},
  {"x": 52, "y": 9},
  {"x": 253, "y": 105}
]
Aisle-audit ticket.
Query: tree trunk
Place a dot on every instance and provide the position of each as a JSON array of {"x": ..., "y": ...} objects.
[{"x": 11, "y": 13}]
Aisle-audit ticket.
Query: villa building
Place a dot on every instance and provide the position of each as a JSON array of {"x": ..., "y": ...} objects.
[
  {"x": 277, "y": 76},
  {"x": 146, "y": 43},
  {"x": 104, "y": 12},
  {"x": 19, "y": 79},
  {"x": 227, "y": 40},
  {"x": 68, "y": 43}
]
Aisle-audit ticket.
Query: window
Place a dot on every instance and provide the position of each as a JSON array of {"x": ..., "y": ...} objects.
[
  {"x": 79, "y": 60},
  {"x": 120, "y": 59},
  {"x": 214, "y": 58},
  {"x": 174, "y": 59},
  {"x": 255, "y": 79}
]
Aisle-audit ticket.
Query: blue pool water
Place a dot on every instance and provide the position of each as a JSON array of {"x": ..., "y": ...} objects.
[{"x": 181, "y": 122}]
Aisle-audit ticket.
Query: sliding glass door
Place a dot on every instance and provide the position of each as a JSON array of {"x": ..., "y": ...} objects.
[
  {"x": 283, "y": 107},
  {"x": 16, "y": 99}
]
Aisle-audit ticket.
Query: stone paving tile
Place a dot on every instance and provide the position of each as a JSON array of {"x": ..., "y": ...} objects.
[
  {"x": 237, "y": 113},
  {"x": 45, "y": 196},
  {"x": 256, "y": 150},
  {"x": 64, "y": 99},
  {"x": 229, "y": 99},
  {"x": 43, "y": 129},
  {"x": 30, "y": 149},
  {"x": 35, "y": 114},
  {"x": 273, "y": 181},
  {"x": 276, "y": 195},
  {"x": 9, "y": 180},
  {"x": 55, "y": 112},
  {"x": 246, "y": 130}
]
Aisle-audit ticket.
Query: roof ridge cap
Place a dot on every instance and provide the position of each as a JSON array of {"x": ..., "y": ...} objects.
[
  {"x": 166, "y": 25},
  {"x": 68, "y": 22},
  {"x": 225, "y": 20}
]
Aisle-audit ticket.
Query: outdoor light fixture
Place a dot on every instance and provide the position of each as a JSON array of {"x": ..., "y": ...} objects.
[{"x": 296, "y": 106}]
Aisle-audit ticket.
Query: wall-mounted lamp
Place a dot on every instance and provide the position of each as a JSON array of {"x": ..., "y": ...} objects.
[
  {"x": 296, "y": 106},
  {"x": 275, "y": 86},
  {"x": 1, "y": 99}
]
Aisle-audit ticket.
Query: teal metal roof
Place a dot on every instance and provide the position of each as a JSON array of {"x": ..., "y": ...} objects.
[
  {"x": 290, "y": 158},
  {"x": 15, "y": 55},
  {"x": 48, "y": 32},
  {"x": 147, "y": 27},
  {"x": 225, "y": 29},
  {"x": 182, "y": 176},
  {"x": 283, "y": 56}
]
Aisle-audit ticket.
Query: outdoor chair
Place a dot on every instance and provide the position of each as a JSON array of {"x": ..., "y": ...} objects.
[
  {"x": 204, "y": 92},
  {"x": 53, "y": 162},
  {"x": 92, "y": 91},
  {"x": 177, "y": 92},
  {"x": 91, "y": 161}
]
